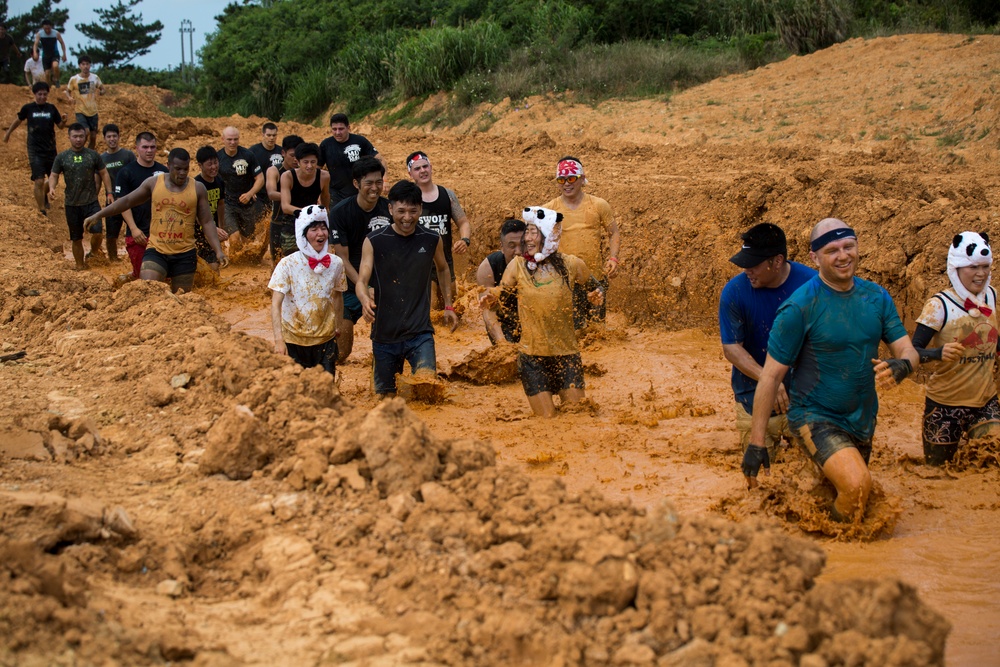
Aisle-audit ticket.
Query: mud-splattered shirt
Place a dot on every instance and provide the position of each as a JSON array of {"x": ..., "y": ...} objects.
[
  {"x": 968, "y": 381},
  {"x": 582, "y": 228},
  {"x": 84, "y": 93},
  {"x": 307, "y": 314},
  {"x": 79, "y": 168}
]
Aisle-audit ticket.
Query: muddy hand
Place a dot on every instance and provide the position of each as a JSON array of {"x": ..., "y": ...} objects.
[
  {"x": 890, "y": 372},
  {"x": 452, "y": 317},
  {"x": 223, "y": 261},
  {"x": 596, "y": 297},
  {"x": 952, "y": 351},
  {"x": 754, "y": 457}
]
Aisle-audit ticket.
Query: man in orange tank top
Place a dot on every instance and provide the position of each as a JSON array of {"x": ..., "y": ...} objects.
[{"x": 178, "y": 204}]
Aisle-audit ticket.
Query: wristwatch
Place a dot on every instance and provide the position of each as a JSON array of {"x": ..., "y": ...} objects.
[{"x": 467, "y": 240}]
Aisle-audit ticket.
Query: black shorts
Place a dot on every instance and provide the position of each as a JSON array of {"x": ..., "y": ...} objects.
[
  {"x": 113, "y": 226},
  {"x": 41, "y": 163},
  {"x": 75, "y": 215},
  {"x": 89, "y": 122},
  {"x": 822, "y": 440},
  {"x": 551, "y": 374},
  {"x": 584, "y": 311},
  {"x": 181, "y": 264},
  {"x": 307, "y": 356},
  {"x": 282, "y": 239},
  {"x": 48, "y": 59},
  {"x": 946, "y": 424},
  {"x": 242, "y": 219}
]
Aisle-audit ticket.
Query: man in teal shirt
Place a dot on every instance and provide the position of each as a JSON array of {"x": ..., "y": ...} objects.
[{"x": 830, "y": 330}]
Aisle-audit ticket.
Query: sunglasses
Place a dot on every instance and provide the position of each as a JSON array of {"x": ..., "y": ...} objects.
[{"x": 567, "y": 179}]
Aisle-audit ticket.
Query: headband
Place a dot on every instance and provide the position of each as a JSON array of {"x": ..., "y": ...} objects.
[
  {"x": 569, "y": 168},
  {"x": 416, "y": 158},
  {"x": 831, "y": 236}
]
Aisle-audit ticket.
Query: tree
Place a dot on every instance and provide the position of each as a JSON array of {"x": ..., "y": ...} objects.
[
  {"x": 22, "y": 27},
  {"x": 120, "y": 35}
]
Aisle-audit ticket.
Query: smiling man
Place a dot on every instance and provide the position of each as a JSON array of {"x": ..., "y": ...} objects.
[
  {"x": 83, "y": 168},
  {"x": 829, "y": 330}
]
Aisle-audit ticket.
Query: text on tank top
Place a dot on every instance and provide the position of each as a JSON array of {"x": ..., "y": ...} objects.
[{"x": 171, "y": 229}]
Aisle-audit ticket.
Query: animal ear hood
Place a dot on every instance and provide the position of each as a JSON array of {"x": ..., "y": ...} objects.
[
  {"x": 548, "y": 223},
  {"x": 968, "y": 249}
]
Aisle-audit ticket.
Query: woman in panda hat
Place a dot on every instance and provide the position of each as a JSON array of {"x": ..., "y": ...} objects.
[
  {"x": 957, "y": 331},
  {"x": 307, "y": 301},
  {"x": 549, "y": 359}
]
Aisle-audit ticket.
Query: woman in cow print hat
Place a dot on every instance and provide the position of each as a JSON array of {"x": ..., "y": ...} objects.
[{"x": 957, "y": 334}]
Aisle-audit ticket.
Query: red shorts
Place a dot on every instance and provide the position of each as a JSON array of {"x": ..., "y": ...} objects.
[{"x": 135, "y": 253}]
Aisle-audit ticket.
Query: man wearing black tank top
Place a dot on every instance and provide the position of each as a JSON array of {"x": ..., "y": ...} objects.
[
  {"x": 504, "y": 323},
  {"x": 281, "y": 232},
  {"x": 440, "y": 209},
  {"x": 303, "y": 186}
]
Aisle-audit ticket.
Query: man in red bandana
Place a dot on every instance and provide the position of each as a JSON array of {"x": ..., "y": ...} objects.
[{"x": 586, "y": 219}]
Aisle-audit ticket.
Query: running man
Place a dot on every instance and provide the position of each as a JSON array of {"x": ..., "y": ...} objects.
[
  {"x": 746, "y": 312},
  {"x": 138, "y": 217},
  {"x": 830, "y": 330},
  {"x": 504, "y": 323},
  {"x": 586, "y": 219},
  {"x": 350, "y": 223},
  {"x": 281, "y": 236},
  {"x": 441, "y": 209},
  {"x": 179, "y": 204},
  {"x": 339, "y": 152},
  {"x": 33, "y": 70},
  {"x": 114, "y": 159},
  {"x": 83, "y": 89},
  {"x": 47, "y": 43},
  {"x": 398, "y": 261},
  {"x": 82, "y": 166},
  {"x": 43, "y": 119},
  {"x": 208, "y": 161},
  {"x": 6, "y": 46},
  {"x": 244, "y": 178},
  {"x": 302, "y": 186}
]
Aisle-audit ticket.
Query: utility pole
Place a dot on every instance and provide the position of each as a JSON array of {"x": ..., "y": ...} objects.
[{"x": 187, "y": 27}]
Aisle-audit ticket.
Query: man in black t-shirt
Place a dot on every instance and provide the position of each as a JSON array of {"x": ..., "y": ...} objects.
[
  {"x": 114, "y": 159},
  {"x": 503, "y": 324},
  {"x": 350, "y": 222},
  {"x": 81, "y": 166},
  {"x": 43, "y": 119},
  {"x": 269, "y": 154},
  {"x": 244, "y": 178},
  {"x": 339, "y": 152},
  {"x": 129, "y": 179},
  {"x": 208, "y": 160},
  {"x": 398, "y": 261}
]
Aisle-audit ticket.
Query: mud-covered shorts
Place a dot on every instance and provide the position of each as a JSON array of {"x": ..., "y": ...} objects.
[
  {"x": 202, "y": 246},
  {"x": 89, "y": 122},
  {"x": 282, "y": 239},
  {"x": 242, "y": 219},
  {"x": 75, "y": 215},
  {"x": 41, "y": 163},
  {"x": 946, "y": 424},
  {"x": 388, "y": 360},
  {"x": 821, "y": 440},
  {"x": 307, "y": 356},
  {"x": 181, "y": 264},
  {"x": 551, "y": 374},
  {"x": 584, "y": 311}
]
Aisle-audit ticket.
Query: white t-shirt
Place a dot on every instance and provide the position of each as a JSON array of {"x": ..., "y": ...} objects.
[
  {"x": 36, "y": 68},
  {"x": 307, "y": 315}
]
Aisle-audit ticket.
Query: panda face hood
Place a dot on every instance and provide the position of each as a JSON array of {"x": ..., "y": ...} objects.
[
  {"x": 305, "y": 218},
  {"x": 548, "y": 223},
  {"x": 969, "y": 249}
]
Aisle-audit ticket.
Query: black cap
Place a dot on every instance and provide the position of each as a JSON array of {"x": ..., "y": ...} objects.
[{"x": 760, "y": 243}]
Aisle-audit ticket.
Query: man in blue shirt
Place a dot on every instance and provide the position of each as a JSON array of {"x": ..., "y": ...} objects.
[
  {"x": 830, "y": 330},
  {"x": 746, "y": 311}
]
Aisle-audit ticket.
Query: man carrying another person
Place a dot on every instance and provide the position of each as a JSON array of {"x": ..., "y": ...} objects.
[
  {"x": 114, "y": 159},
  {"x": 504, "y": 323},
  {"x": 137, "y": 218},
  {"x": 339, "y": 152},
  {"x": 83, "y": 88},
  {"x": 208, "y": 161},
  {"x": 42, "y": 119},
  {"x": 244, "y": 178}
]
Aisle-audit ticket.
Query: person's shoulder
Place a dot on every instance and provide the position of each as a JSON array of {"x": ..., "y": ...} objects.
[
  {"x": 735, "y": 287},
  {"x": 554, "y": 204},
  {"x": 869, "y": 287},
  {"x": 157, "y": 167},
  {"x": 343, "y": 206},
  {"x": 597, "y": 201}
]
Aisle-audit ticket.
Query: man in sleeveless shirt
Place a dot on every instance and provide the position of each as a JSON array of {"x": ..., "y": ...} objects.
[
  {"x": 47, "y": 42},
  {"x": 281, "y": 229},
  {"x": 503, "y": 324},
  {"x": 303, "y": 186},
  {"x": 178, "y": 204}
]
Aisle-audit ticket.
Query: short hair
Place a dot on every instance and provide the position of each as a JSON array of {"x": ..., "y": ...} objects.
[
  {"x": 340, "y": 118},
  {"x": 570, "y": 157},
  {"x": 144, "y": 136},
  {"x": 110, "y": 127},
  {"x": 178, "y": 154},
  {"x": 413, "y": 155},
  {"x": 268, "y": 126},
  {"x": 76, "y": 127},
  {"x": 365, "y": 166},
  {"x": 206, "y": 153},
  {"x": 46, "y": 22},
  {"x": 512, "y": 226},
  {"x": 84, "y": 58},
  {"x": 306, "y": 149},
  {"x": 39, "y": 86},
  {"x": 406, "y": 192},
  {"x": 291, "y": 141}
]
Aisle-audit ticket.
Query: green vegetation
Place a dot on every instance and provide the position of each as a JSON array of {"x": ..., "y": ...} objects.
[{"x": 118, "y": 36}]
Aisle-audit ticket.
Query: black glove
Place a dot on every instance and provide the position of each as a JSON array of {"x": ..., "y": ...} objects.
[
  {"x": 899, "y": 368},
  {"x": 754, "y": 457}
]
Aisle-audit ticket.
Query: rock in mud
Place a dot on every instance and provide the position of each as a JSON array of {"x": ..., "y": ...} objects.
[
  {"x": 400, "y": 449},
  {"x": 21, "y": 444},
  {"x": 237, "y": 445}
]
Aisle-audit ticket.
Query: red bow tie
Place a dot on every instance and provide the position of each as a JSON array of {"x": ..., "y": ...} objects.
[
  {"x": 970, "y": 304},
  {"x": 326, "y": 262}
]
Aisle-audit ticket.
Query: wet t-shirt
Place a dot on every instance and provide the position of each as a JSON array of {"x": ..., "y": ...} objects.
[
  {"x": 350, "y": 225},
  {"x": 42, "y": 120},
  {"x": 78, "y": 169},
  {"x": 215, "y": 191},
  {"x": 238, "y": 173},
  {"x": 582, "y": 228},
  {"x": 545, "y": 305},
  {"x": 84, "y": 92},
  {"x": 830, "y": 337},
  {"x": 307, "y": 313},
  {"x": 339, "y": 159},
  {"x": 401, "y": 276},
  {"x": 128, "y": 180},
  {"x": 114, "y": 162},
  {"x": 267, "y": 158}
]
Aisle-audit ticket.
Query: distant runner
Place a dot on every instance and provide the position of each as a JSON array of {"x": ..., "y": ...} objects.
[
  {"x": 33, "y": 70},
  {"x": 503, "y": 324},
  {"x": 339, "y": 152},
  {"x": 244, "y": 178},
  {"x": 47, "y": 43},
  {"x": 208, "y": 161},
  {"x": 114, "y": 159},
  {"x": 6, "y": 46},
  {"x": 43, "y": 119},
  {"x": 83, "y": 88}
]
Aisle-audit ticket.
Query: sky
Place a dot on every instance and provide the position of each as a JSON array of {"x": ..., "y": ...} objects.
[{"x": 164, "y": 54}]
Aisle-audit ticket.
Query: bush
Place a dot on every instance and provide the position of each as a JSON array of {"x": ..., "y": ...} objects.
[
  {"x": 434, "y": 59},
  {"x": 805, "y": 26},
  {"x": 364, "y": 71},
  {"x": 309, "y": 95}
]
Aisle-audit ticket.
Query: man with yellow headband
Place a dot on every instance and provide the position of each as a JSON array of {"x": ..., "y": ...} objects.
[{"x": 586, "y": 219}]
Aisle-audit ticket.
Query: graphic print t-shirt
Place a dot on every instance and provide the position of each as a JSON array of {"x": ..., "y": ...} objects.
[{"x": 238, "y": 173}]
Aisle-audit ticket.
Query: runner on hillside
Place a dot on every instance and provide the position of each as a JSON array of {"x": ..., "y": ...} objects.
[
  {"x": 179, "y": 204},
  {"x": 281, "y": 233},
  {"x": 398, "y": 260},
  {"x": 83, "y": 167},
  {"x": 502, "y": 324},
  {"x": 137, "y": 218},
  {"x": 542, "y": 279},
  {"x": 83, "y": 89},
  {"x": 350, "y": 222},
  {"x": 244, "y": 178},
  {"x": 441, "y": 208},
  {"x": 43, "y": 119},
  {"x": 114, "y": 159},
  {"x": 7, "y": 45},
  {"x": 304, "y": 185},
  {"x": 339, "y": 152},
  {"x": 34, "y": 71},
  {"x": 830, "y": 330},
  {"x": 208, "y": 161},
  {"x": 586, "y": 219},
  {"x": 47, "y": 43}
]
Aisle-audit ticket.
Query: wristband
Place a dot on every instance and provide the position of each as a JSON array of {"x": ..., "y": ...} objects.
[
  {"x": 614, "y": 259},
  {"x": 467, "y": 240},
  {"x": 449, "y": 308},
  {"x": 899, "y": 368}
]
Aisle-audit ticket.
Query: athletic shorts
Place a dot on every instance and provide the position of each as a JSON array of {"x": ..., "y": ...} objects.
[
  {"x": 388, "y": 360},
  {"x": 777, "y": 428},
  {"x": 113, "y": 226},
  {"x": 89, "y": 122},
  {"x": 181, "y": 264},
  {"x": 242, "y": 219},
  {"x": 352, "y": 307},
  {"x": 307, "y": 356},
  {"x": 41, "y": 164},
  {"x": 48, "y": 59},
  {"x": 822, "y": 440},
  {"x": 946, "y": 424},
  {"x": 75, "y": 215},
  {"x": 282, "y": 240},
  {"x": 550, "y": 374},
  {"x": 583, "y": 310}
]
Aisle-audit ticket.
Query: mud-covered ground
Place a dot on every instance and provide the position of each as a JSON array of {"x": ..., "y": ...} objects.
[{"x": 172, "y": 491}]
